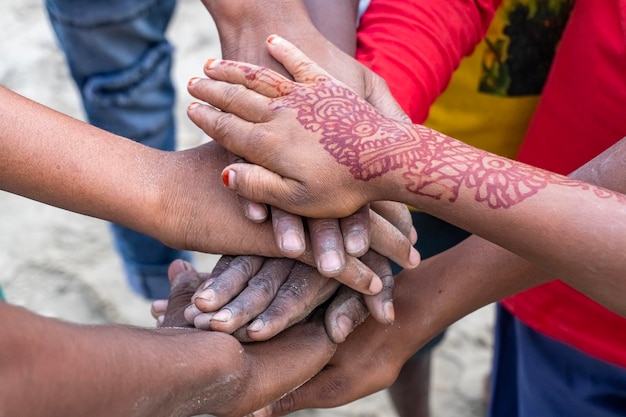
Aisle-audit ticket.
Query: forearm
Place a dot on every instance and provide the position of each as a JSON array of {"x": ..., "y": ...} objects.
[
  {"x": 534, "y": 213},
  {"x": 243, "y": 26},
  {"x": 336, "y": 20},
  {"x": 48, "y": 367},
  {"x": 52, "y": 158},
  {"x": 416, "y": 45}
]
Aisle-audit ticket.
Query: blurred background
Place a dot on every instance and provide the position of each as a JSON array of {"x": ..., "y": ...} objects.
[{"x": 63, "y": 265}]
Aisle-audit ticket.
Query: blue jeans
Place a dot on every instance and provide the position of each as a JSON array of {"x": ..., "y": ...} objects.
[{"x": 121, "y": 61}]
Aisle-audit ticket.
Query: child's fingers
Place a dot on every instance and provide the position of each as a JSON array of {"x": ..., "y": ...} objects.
[
  {"x": 300, "y": 66},
  {"x": 259, "y": 79},
  {"x": 259, "y": 184},
  {"x": 231, "y": 98},
  {"x": 229, "y": 130}
]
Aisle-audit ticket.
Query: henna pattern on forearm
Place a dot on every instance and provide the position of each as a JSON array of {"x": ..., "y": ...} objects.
[
  {"x": 437, "y": 166},
  {"x": 370, "y": 145}
]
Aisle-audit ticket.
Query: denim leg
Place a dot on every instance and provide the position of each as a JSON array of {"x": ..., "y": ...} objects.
[{"x": 121, "y": 61}]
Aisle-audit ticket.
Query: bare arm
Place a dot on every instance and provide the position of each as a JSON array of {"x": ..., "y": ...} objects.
[
  {"x": 176, "y": 197},
  {"x": 50, "y": 367},
  {"x": 443, "y": 289},
  {"x": 364, "y": 156}
]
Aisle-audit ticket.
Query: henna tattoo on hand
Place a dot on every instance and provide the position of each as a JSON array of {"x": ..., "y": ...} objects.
[{"x": 437, "y": 166}]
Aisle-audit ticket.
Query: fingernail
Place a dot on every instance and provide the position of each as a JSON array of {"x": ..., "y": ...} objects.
[
  {"x": 203, "y": 321},
  {"x": 389, "y": 312},
  {"x": 192, "y": 105},
  {"x": 159, "y": 305},
  {"x": 210, "y": 63},
  {"x": 345, "y": 326},
  {"x": 186, "y": 265},
  {"x": 291, "y": 241},
  {"x": 206, "y": 295},
  {"x": 190, "y": 313},
  {"x": 223, "y": 315},
  {"x": 414, "y": 257},
  {"x": 356, "y": 244},
  {"x": 160, "y": 321},
  {"x": 376, "y": 285},
  {"x": 273, "y": 39},
  {"x": 193, "y": 80},
  {"x": 256, "y": 212},
  {"x": 228, "y": 178},
  {"x": 256, "y": 326},
  {"x": 330, "y": 261},
  {"x": 413, "y": 236}
]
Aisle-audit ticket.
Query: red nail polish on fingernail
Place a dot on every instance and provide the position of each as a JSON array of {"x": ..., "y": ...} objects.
[
  {"x": 226, "y": 178},
  {"x": 192, "y": 81},
  {"x": 192, "y": 105},
  {"x": 272, "y": 38},
  {"x": 209, "y": 62}
]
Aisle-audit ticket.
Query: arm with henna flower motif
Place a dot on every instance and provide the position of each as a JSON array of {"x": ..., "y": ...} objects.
[{"x": 350, "y": 154}]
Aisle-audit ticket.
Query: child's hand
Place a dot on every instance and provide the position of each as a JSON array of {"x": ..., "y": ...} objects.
[{"x": 325, "y": 149}]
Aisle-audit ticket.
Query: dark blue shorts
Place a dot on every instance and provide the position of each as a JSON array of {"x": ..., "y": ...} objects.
[{"x": 537, "y": 376}]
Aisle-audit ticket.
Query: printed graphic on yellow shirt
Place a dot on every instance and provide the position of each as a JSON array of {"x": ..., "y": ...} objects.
[{"x": 521, "y": 43}]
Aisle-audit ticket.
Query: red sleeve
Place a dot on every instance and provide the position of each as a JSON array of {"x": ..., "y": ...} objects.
[{"x": 416, "y": 45}]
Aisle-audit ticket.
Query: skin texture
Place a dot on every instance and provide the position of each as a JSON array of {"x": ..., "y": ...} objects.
[
  {"x": 323, "y": 29},
  {"x": 168, "y": 198},
  {"x": 443, "y": 289},
  {"x": 255, "y": 298},
  {"x": 524, "y": 209},
  {"x": 47, "y": 366}
]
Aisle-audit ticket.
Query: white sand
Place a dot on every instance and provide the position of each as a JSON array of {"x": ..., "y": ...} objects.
[{"x": 64, "y": 264}]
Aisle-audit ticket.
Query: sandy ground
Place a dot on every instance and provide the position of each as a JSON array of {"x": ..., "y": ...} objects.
[{"x": 63, "y": 265}]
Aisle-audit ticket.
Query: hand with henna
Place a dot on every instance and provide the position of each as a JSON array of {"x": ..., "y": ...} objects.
[
  {"x": 327, "y": 32},
  {"x": 363, "y": 156}
]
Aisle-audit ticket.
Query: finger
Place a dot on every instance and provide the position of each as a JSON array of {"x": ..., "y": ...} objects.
[
  {"x": 157, "y": 308},
  {"x": 356, "y": 232},
  {"x": 300, "y": 66},
  {"x": 262, "y": 80},
  {"x": 184, "y": 281},
  {"x": 255, "y": 212},
  {"x": 255, "y": 298},
  {"x": 221, "y": 289},
  {"x": 232, "y": 132},
  {"x": 232, "y": 98},
  {"x": 380, "y": 305},
  {"x": 381, "y": 98},
  {"x": 327, "y": 244},
  {"x": 303, "y": 291},
  {"x": 355, "y": 275},
  {"x": 398, "y": 215},
  {"x": 259, "y": 184},
  {"x": 289, "y": 233},
  {"x": 346, "y": 311},
  {"x": 392, "y": 243},
  {"x": 222, "y": 264}
]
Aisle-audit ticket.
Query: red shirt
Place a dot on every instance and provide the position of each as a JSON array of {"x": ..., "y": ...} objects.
[
  {"x": 581, "y": 113},
  {"x": 416, "y": 45}
]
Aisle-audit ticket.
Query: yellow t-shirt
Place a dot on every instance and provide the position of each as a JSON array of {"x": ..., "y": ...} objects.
[{"x": 494, "y": 92}]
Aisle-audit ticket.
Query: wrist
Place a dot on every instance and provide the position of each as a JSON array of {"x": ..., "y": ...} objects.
[{"x": 243, "y": 26}]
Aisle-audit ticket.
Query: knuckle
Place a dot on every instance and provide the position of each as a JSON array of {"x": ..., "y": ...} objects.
[
  {"x": 223, "y": 125},
  {"x": 264, "y": 284}
]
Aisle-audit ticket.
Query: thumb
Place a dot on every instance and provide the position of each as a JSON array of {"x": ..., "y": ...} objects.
[
  {"x": 264, "y": 186},
  {"x": 381, "y": 98}
]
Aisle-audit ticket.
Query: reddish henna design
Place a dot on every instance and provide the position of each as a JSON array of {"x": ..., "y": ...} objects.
[{"x": 370, "y": 145}]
